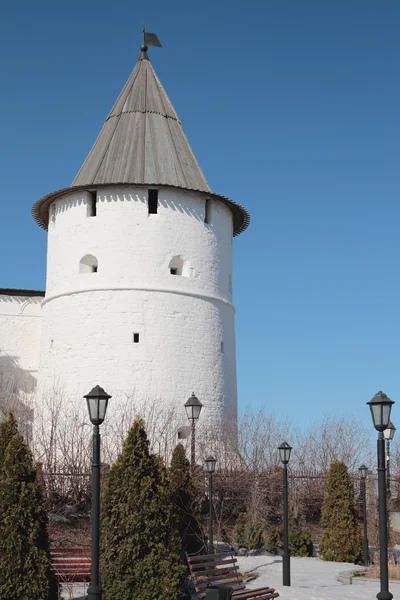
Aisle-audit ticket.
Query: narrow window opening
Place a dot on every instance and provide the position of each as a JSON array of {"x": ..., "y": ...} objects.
[
  {"x": 88, "y": 264},
  {"x": 207, "y": 211},
  {"x": 153, "y": 202},
  {"x": 177, "y": 266},
  {"x": 135, "y": 338},
  {"x": 230, "y": 283},
  {"x": 93, "y": 204},
  {"x": 222, "y": 347}
]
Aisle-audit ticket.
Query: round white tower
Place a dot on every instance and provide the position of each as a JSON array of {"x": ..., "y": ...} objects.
[{"x": 139, "y": 266}]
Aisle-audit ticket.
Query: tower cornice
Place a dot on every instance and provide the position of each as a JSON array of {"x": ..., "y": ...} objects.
[{"x": 40, "y": 210}]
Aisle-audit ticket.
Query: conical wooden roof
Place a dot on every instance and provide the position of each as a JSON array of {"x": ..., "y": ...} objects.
[{"x": 142, "y": 140}]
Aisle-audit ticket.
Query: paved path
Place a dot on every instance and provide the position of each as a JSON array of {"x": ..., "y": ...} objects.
[
  {"x": 77, "y": 593},
  {"x": 312, "y": 579}
]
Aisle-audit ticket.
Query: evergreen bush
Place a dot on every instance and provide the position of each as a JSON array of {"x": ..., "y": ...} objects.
[
  {"x": 341, "y": 536},
  {"x": 140, "y": 548},
  {"x": 274, "y": 542},
  {"x": 248, "y": 533},
  {"x": 240, "y": 540},
  {"x": 300, "y": 541},
  {"x": 254, "y": 536},
  {"x": 183, "y": 496},
  {"x": 8, "y": 428},
  {"x": 24, "y": 543}
]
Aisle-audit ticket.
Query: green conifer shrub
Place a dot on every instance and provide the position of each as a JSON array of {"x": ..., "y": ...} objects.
[
  {"x": 274, "y": 542},
  {"x": 8, "y": 428},
  {"x": 254, "y": 536},
  {"x": 248, "y": 533},
  {"x": 240, "y": 540},
  {"x": 300, "y": 541},
  {"x": 341, "y": 536},
  {"x": 140, "y": 546},
  {"x": 24, "y": 542},
  {"x": 183, "y": 497}
]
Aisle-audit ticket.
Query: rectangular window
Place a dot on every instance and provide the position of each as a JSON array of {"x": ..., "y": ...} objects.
[
  {"x": 174, "y": 271},
  {"x": 93, "y": 204},
  {"x": 207, "y": 211},
  {"x": 135, "y": 338},
  {"x": 94, "y": 269},
  {"x": 222, "y": 347},
  {"x": 153, "y": 202}
]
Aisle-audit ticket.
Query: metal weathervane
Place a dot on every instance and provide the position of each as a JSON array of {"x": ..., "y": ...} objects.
[{"x": 151, "y": 39}]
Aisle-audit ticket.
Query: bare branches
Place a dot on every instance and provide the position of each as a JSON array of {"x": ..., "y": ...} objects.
[{"x": 331, "y": 438}]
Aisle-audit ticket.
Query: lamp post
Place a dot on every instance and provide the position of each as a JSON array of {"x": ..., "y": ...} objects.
[
  {"x": 380, "y": 407},
  {"x": 284, "y": 451},
  {"x": 210, "y": 467},
  {"x": 363, "y": 473},
  {"x": 389, "y": 435},
  {"x": 193, "y": 408},
  {"x": 97, "y": 401}
]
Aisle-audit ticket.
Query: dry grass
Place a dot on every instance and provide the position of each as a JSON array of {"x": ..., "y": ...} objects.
[{"x": 394, "y": 571}]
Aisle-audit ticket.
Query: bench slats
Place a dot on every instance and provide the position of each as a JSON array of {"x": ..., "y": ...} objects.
[
  {"x": 215, "y": 581},
  {"x": 216, "y": 574},
  {"x": 71, "y": 551},
  {"x": 202, "y": 557},
  {"x": 71, "y": 564},
  {"x": 222, "y": 568},
  {"x": 208, "y": 562},
  {"x": 202, "y": 594},
  {"x": 260, "y": 594}
]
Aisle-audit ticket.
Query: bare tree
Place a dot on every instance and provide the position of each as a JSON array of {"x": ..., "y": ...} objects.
[{"x": 340, "y": 438}]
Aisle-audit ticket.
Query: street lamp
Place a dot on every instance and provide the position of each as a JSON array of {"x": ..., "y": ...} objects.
[
  {"x": 193, "y": 408},
  {"x": 284, "y": 451},
  {"x": 389, "y": 435},
  {"x": 363, "y": 473},
  {"x": 97, "y": 401},
  {"x": 380, "y": 407},
  {"x": 210, "y": 468}
]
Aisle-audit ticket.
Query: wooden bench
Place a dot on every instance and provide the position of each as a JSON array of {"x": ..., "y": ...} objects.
[
  {"x": 71, "y": 564},
  {"x": 217, "y": 569}
]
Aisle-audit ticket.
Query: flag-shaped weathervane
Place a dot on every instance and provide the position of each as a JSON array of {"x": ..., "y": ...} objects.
[{"x": 150, "y": 39}]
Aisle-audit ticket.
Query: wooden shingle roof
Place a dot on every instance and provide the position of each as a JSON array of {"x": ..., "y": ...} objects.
[
  {"x": 142, "y": 139},
  {"x": 142, "y": 142}
]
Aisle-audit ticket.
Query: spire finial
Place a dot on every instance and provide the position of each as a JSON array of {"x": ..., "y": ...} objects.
[
  {"x": 144, "y": 47},
  {"x": 149, "y": 39}
]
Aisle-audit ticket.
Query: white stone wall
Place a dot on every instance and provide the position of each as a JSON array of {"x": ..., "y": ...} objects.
[
  {"x": 20, "y": 327},
  {"x": 89, "y": 318}
]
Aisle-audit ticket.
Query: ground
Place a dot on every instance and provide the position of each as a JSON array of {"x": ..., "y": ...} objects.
[{"x": 312, "y": 579}]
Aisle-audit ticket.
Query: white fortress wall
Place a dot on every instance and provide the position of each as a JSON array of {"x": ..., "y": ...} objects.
[
  {"x": 108, "y": 278},
  {"x": 20, "y": 326}
]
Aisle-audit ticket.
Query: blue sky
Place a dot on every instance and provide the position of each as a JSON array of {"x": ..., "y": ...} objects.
[{"x": 292, "y": 109}]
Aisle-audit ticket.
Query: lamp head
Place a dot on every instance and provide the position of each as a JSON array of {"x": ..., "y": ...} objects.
[
  {"x": 380, "y": 407},
  {"x": 97, "y": 402},
  {"x": 193, "y": 407},
  {"x": 284, "y": 451},
  {"x": 389, "y": 431},
  {"x": 210, "y": 462}
]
